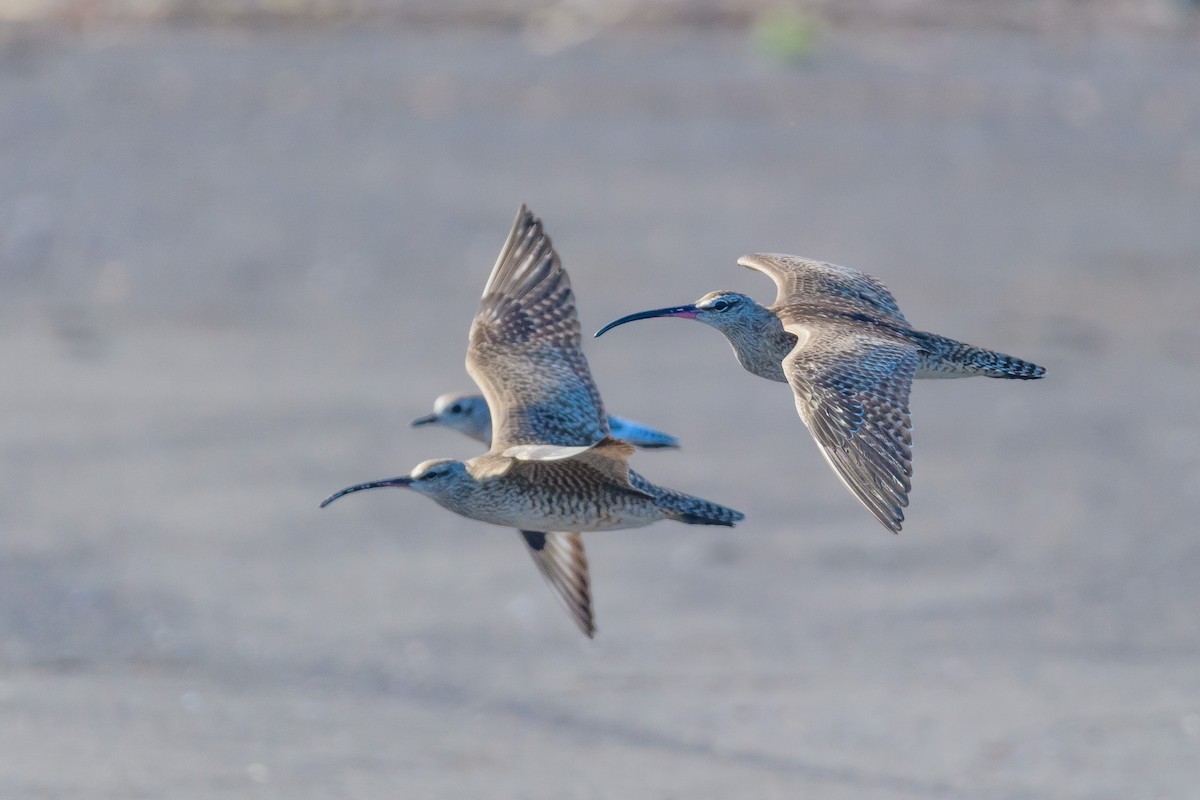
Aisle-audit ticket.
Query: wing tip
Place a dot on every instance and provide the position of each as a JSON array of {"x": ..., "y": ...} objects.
[
  {"x": 524, "y": 217},
  {"x": 865, "y": 488},
  {"x": 522, "y": 223},
  {"x": 753, "y": 260},
  {"x": 765, "y": 261},
  {"x": 891, "y": 515}
]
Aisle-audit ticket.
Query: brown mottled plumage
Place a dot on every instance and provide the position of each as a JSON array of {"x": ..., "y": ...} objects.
[
  {"x": 552, "y": 466},
  {"x": 838, "y": 338}
]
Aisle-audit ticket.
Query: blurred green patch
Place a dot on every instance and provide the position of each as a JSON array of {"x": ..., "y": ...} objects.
[{"x": 786, "y": 35}]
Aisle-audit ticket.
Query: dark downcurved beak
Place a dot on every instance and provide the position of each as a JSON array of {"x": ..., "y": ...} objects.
[
  {"x": 428, "y": 419},
  {"x": 405, "y": 481},
  {"x": 687, "y": 312}
]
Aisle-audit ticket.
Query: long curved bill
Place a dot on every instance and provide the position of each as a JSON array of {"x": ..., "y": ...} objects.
[
  {"x": 405, "y": 481},
  {"x": 686, "y": 312},
  {"x": 428, "y": 419}
]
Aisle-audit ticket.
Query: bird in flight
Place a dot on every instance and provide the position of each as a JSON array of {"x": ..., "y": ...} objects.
[
  {"x": 838, "y": 338},
  {"x": 553, "y": 470}
]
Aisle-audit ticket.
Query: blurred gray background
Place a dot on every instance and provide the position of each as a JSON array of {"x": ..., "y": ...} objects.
[{"x": 240, "y": 246}]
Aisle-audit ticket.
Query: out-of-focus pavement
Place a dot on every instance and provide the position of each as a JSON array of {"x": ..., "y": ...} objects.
[{"x": 234, "y": 264}]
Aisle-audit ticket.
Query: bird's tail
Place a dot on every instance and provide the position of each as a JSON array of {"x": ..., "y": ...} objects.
[
  {"x": 686, "y": 508},
  {"x": 692, "y": 510},
  {"x": 640, "y": 435},
  {"x": 943, "y": 357}
]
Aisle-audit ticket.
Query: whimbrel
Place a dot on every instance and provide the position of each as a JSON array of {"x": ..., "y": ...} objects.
[
  {"x": 468, "y": 414},
  {"x": 837, "y": 336},
  {"x": 553, "y": 469}
]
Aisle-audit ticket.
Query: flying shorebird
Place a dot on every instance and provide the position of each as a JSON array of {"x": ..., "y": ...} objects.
[
  {"x": 837, "y": 336},
  {"x": 468, "y": 414},
  {"x": 553, "y": 470}
]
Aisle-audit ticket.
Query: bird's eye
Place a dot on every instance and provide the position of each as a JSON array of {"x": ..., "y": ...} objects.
[
  {"x": 719, "y": 305},
  {"x": 456, "y": 408}
]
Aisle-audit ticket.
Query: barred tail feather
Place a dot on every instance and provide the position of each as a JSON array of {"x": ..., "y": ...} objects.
[
  {"x": 685, "y": 507},
  {"x": 942, "y": 357},
  {"x": 698, "y": 511},
  {"x": 1006, "y": 366}
]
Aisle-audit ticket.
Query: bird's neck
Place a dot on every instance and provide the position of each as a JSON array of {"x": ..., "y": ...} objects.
[
  {"x": 761, "y": 344},
  {"x": 460, "y": 498}
]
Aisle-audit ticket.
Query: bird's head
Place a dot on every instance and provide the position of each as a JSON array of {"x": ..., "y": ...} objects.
[
  {"x": 721, "y": 310},
  {"x": 465, "y": 413},
  {"x": 439, "y": 478}
]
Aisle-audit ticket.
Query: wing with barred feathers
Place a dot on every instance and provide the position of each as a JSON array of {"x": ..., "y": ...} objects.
[
  {"x": 852, "y": 392},
  {"x": 561, "y": 559},
  {"x": 525, "y": 352},
  {"x": 798, "y": 278}
]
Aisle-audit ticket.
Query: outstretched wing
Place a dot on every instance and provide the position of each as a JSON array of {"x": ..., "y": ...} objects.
[
  {"x": 852, "y": 392},
  {"x": 797, "y": 277},
  {"x": 563, "y": 563},
  {"x": 525, "y": 352}
]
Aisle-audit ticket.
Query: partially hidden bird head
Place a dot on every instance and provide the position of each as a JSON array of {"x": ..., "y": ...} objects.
[
  {"x": 465, "y": 413},
  {"x": 440, "y": 478},
  {"x": 722, "y": 310}
]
